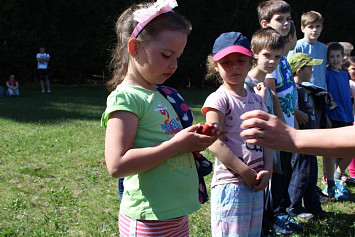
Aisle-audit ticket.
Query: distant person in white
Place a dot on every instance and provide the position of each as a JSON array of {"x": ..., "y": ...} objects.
[{"x": 42, "y": 68}]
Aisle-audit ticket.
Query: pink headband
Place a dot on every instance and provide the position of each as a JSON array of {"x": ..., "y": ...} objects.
[{"x": 146, "y": 15}]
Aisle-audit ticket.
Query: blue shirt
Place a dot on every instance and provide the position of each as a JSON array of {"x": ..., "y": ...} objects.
[
  {"x": 316, "y": 50},
  {"x": 339, "y": 88}
]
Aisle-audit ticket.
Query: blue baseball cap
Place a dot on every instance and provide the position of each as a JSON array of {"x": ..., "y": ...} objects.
[{"x": 230, "y": 42}]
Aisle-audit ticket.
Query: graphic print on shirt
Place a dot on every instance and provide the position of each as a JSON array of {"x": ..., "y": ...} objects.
[
  {"x": 170, "y": 126},
  {"x": 287, "y": 103}
]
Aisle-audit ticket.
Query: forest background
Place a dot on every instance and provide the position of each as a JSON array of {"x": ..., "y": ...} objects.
[{"x": 79, "y": 34}]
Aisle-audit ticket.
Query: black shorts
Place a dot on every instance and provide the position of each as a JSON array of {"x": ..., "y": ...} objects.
[{"x": 42, "y": 74}]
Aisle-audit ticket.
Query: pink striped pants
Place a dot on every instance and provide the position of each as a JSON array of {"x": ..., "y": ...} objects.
[{"x": 176, "y": 227}]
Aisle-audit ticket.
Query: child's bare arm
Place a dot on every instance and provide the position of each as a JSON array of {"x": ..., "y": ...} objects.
[
  {"x": 225, "y": 155},
  {"x": 270, "y": 82},
  {"x": 264, "y": 175},
  {"x": 301, "y": 117},
  {"x": 123, "y": 160}
]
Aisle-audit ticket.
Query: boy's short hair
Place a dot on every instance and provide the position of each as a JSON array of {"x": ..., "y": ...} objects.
[
  {"x": 267, "y": 9},
  {"x": 347, "y": 45},
  {"x": 311, "y": 17},
  {"x": 299, "y": 60},
  {"x": 267, "y": 38},
  {"x": 335, "y": 46}
]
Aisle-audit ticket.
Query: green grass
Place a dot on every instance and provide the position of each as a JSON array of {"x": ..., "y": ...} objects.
[{"x": 53, "y": 179}]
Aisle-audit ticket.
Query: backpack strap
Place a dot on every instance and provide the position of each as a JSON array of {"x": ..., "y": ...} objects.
[{"x": 204, "y": 166}]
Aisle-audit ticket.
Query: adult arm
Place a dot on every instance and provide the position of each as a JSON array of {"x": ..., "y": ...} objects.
[{"x": 338, "y": 142}]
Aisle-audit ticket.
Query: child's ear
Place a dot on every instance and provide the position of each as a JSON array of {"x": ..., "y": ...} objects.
[
  {"x": 255, "y": 56},
  {"x": 264, "y": 23},
  {"x": 215, "y": 64},
  {"x": 302, "y": 29},
  {"x": 298, "y": 71},
  {"x": 133, "y": 46}
]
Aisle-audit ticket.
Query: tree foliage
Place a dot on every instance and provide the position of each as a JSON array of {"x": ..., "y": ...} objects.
[{"x": 79, "y": 34}]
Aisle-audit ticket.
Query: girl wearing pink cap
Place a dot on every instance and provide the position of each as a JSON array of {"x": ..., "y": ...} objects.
[{"x": 241, "y": 171}]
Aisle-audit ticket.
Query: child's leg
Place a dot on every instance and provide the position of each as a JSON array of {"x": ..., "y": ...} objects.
[
  {"x": 311, "y": 198},
  {"x": 299, "y": 183},
  {"x": 352, "y": 168},
  {"x": 268, "y": 215},
  {"x": 231, "y": 210},
  {"x": 328, "y": 164},
  {"x": 42, "y": 84},
  {"x": 343, "y": 164},
  {"x": 10, "y": 92},
  {"x": 48, "y": 84}
]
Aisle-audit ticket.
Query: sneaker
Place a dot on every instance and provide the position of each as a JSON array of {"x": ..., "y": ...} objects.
[
  {"x": 280, "y": 228},
  {"x": 341, "y": 186},
  {"x": 344, "y": 177},
  {"x": 49, "y": 91},
  {"x": 350, "y": 181},
  {"x": 290, "y": 222},
  {"x": 335, "y": 193},
  {"x": 304, "y": 216},
  {"x": 43, "y": 91},
  {"x": 323, "y": 199}
]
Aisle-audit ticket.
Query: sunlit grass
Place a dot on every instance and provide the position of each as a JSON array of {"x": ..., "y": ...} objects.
[{"x": 53, "y": 178}]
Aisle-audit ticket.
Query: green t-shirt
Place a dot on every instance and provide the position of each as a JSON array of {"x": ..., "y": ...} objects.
[{"x": 170, "y": 189}]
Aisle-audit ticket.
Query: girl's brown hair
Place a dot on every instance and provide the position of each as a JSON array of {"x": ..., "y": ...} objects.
[{"x": 124, "y": 27}]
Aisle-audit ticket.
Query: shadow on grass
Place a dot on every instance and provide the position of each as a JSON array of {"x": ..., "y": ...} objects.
[
  {"x": 63, "y": 103},
  {"x": 339, "y": 224}
]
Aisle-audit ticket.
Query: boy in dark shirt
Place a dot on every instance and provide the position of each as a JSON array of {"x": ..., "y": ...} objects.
[{"x": 305, "y": 168}]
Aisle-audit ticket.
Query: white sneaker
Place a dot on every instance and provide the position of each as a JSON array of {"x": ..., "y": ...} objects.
[
  {"x": 43, "y": 91},
  {"x": 305, "y": 216},
  {"x": 49, "y": 91}
]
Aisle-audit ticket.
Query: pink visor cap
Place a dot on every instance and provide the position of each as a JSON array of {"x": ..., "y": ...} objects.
[{"x": 231, "y": 42}]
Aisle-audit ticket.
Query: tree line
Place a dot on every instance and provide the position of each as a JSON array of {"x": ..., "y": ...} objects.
[{"x": 79, "y": 34}]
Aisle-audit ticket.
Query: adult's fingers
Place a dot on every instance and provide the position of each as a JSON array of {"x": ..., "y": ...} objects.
[
  {"x": 256, "y": 114},
  {"x": 254, "y": 123}
]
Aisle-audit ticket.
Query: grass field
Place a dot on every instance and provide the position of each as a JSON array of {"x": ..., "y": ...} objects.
[{"x": 53, "y": 179}]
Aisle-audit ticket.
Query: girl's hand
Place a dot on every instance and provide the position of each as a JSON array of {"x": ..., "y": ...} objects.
[
  {"x": 250, "y": 177},
  {"x": 263, "y": 179},
  {"x": 187, "y": 140},
  {"x": 260, "y": 89},
  {"x": 210, "y": 129}
]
